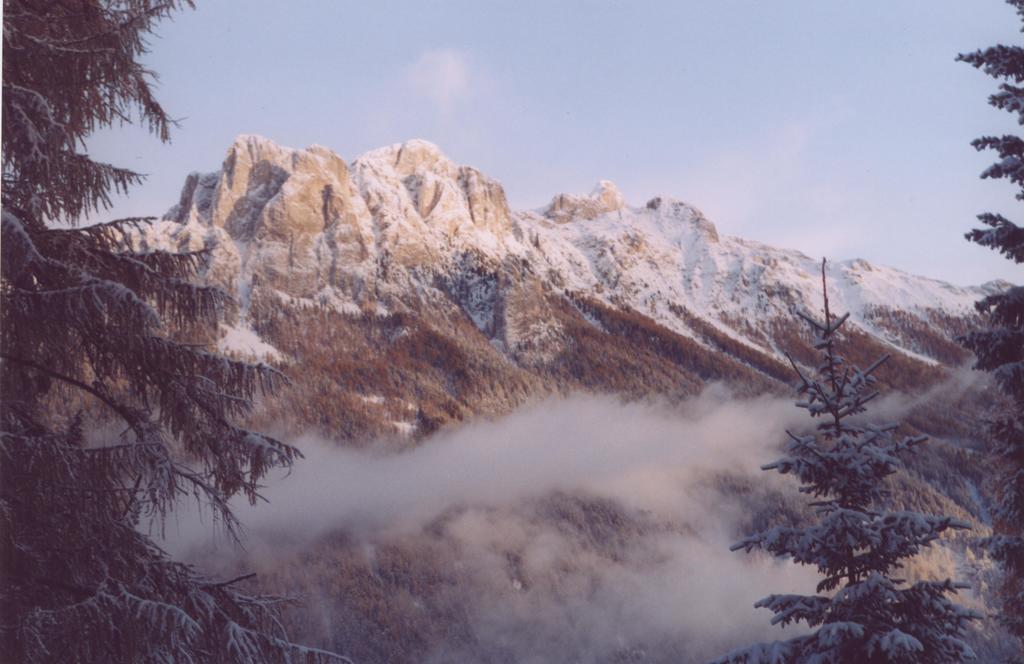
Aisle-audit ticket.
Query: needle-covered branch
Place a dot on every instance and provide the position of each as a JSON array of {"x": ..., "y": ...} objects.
[
  {"x": 91, "y": 341},
  {"x": 999, "y": 345}
]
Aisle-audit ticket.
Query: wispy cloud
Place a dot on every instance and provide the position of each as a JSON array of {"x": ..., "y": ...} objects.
[{"x": 444, "y": 77}]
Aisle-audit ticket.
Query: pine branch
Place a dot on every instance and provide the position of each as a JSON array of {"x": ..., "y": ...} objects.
[
  {"x": 127, "y": 414},
  {"x": 237, "y": 579}
]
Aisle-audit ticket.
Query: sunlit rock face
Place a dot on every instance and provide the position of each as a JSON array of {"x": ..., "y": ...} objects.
[
  {"x": 294, "y": 215},
  {"x": 311, "y": 221},
  {"x": 587, "y": 293}
]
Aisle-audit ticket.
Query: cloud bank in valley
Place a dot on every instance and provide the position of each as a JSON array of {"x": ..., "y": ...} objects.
[
  {"x": 579, "y": 527},
  {"x": 649, "y": 457}
]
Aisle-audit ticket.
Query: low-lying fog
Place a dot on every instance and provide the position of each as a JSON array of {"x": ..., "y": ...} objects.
[{"x": 581, "y": 529}]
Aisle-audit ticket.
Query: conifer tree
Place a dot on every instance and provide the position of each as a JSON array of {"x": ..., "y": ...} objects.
[
  {"x": 862, "y": 612},
  {"x": 1000, "y": 347},
  {"x": 85, "y": 331}
]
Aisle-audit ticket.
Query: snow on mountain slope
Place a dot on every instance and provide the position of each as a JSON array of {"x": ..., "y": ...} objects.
[
  {"x": 404, "y": 224},
  {"x": 403, "y": 296},
  {"x": 668, "y": 254}
]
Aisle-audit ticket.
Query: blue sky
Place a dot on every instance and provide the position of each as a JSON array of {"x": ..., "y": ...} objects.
[{"x": 839, "y": 128}]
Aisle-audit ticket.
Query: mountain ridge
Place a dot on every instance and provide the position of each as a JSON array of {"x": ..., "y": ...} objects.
[
  {"x": 403, "y": 297},
  {"x": 356, "y": 234}
]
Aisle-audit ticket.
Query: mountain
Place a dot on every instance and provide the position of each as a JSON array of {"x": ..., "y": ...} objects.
[
  {"x": 402, "y": 296},
  {"x": 406, "y": 256}
]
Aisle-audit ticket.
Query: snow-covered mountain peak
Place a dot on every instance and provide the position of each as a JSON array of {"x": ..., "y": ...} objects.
[
  {"x": 995, "y": 286},
  {"x": 257, "y": 145},
  {"x": 414, "y": 155},
  {"x": 668, "y": 208},
  {"x": 608, "y": 195},
  {"x": 404, "y": 222},
  {"x": 603, "y": 199},
  {"x": 415, "y": 183}
]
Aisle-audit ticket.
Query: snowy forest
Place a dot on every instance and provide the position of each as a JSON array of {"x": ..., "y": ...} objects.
[{"x": 377, "y": 410}]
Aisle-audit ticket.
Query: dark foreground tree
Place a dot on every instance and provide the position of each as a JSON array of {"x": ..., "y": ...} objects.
[
  {"x": 1000, "y": 348},
  {"x": 85, "y": 323},
  {"x": 862, "y": 613}
]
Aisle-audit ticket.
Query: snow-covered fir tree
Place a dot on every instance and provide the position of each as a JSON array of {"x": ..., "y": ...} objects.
[
  {"x": 863, "y": 611},
  {"x": 1000, "y": 347},
  {"x": 106, "y": 420}
]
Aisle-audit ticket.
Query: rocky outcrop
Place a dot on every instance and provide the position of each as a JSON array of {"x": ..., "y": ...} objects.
[
  {"x": 294, "y": 216},
  {"x": 604, "y": 199}
]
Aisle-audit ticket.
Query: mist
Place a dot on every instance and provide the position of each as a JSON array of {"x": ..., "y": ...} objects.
[
  {"x": 580, "y": 529},
  {"x": 647, "y": 456}
]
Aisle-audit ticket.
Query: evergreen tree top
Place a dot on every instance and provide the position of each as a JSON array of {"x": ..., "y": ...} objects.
[{"x": 856, "y": 545}]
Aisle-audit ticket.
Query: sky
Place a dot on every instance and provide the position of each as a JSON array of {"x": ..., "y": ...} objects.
[{"x": 838, "y": 128}]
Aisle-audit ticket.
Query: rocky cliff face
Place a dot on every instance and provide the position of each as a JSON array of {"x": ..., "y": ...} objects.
[{"x": 410, "y": 296}]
